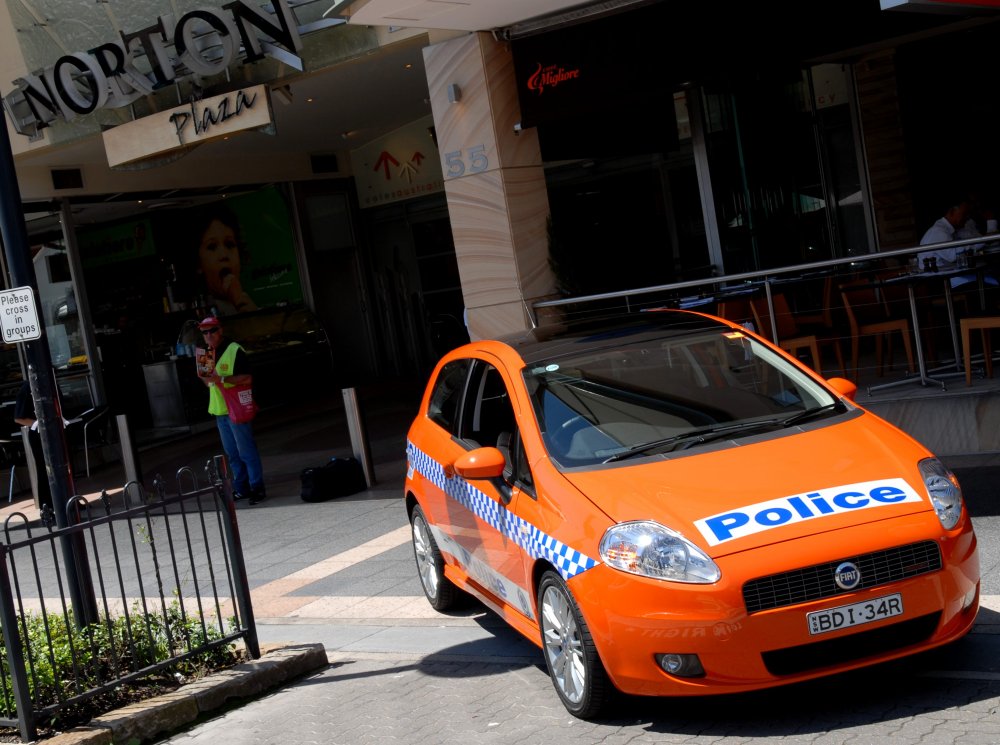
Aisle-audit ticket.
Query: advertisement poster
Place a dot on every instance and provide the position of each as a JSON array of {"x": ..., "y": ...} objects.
[{"x": 235, "y": 255}]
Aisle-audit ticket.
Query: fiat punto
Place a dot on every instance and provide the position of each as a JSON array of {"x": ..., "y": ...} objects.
[{"x": 671, "y": 505}]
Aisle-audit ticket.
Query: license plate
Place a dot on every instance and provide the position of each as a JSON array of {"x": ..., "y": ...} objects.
[{"x": 855, "y": 614}]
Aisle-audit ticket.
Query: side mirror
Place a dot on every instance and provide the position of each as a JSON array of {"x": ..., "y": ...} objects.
[
  {"x": 844, "y": 387},
  {"x": 481, "y": 463}
]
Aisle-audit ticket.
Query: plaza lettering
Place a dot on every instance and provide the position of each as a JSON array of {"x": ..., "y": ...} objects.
[
  {"x": 204, "y": 42},
  {"x": 229, "y": 107},
  {"x": 549, "y": 77},
  {"x": 818, "y": 504}
]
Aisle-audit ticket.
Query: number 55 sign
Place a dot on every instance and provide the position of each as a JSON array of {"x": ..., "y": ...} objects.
[
  {"x": 470, "y": 160},
  {"x": 18, "y": 317}
]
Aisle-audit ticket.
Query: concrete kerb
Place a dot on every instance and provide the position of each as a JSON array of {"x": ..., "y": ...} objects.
[{"x": 145, "y": 720}]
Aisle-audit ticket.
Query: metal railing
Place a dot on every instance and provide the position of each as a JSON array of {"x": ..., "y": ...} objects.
[
  {"x": 168, "y": 585},
  {"x": 751, "y": 297},
  {"x": 764, "y": 276}
]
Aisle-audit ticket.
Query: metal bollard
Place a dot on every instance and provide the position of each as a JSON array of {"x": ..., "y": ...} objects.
[
  {"x": 130, "y": 457},
  {"x": 359, "y": 436}
]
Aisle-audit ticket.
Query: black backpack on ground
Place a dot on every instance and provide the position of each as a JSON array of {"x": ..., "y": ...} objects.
[{"x": 338, "y": 477}]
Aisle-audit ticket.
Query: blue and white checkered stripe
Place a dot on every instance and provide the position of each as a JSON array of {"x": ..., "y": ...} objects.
[{"x": 536, "y": 543}]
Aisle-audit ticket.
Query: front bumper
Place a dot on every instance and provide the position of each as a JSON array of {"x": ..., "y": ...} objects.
[{"x": 632, "y": 619}]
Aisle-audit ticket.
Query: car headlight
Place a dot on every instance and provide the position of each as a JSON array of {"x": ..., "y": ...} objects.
[
  {"x": 651, "y": 550},
  {"x": 944, "y": 491}
]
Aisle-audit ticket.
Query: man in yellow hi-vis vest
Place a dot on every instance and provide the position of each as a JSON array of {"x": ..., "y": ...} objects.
[{"x": 225, "y": 363}]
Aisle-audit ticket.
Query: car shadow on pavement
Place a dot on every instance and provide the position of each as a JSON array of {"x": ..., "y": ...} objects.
[{"x": 901, "y": 690}]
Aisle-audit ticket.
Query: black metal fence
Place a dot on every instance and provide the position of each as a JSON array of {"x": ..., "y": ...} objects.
[{"x": 137, "y": 583}]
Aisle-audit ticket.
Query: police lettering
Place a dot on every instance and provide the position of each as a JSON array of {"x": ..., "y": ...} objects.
[{"x": 755, "y": 518}]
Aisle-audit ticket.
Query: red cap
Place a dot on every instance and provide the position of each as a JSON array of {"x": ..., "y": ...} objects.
[{"x": 209, "y": 322}]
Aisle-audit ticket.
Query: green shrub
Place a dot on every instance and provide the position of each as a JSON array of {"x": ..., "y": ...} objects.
[{"x": 63, "y": 661}]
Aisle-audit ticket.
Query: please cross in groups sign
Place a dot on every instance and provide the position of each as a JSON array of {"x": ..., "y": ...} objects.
[{"x": 18, "y": 316}]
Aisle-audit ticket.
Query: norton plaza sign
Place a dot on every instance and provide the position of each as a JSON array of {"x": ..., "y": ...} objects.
[{"x": 202, "y": 42}]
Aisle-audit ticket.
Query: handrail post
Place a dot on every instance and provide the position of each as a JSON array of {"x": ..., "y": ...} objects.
[
  {"x": 770, "y": 310},
  {"x": 130, "y": 457},
  {"x": 359, "y": 436}
]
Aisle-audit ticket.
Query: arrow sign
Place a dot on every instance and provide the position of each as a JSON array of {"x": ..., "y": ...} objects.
[
  {"x": 418, "y": 158},
  {"x": 384, "y": 159},
  {"x": 408, "y": 172}
]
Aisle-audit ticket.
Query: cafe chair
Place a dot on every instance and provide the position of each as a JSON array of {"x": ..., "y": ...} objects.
[
  {"x": 11, "y": 448},
  {"x": 822, "y": 317},
  {"x": 868, "y": 316},
  {"x": 984, "y": 325},
  {"x": 789, "y": 335},
  {"x": 88, "y": 430}
]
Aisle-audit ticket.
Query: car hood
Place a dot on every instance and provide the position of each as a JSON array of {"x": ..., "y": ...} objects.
[{"x": 764, "y": 491}]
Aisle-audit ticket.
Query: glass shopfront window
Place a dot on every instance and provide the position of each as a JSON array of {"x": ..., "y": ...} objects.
[
  {"x": 59, "y": 311},
  {"x": 642, "y": 210},
  {"x": 782, "y": 158},
  {"x": 57, "y": 305}
]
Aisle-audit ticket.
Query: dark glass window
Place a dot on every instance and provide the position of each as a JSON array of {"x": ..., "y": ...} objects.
[
  {"x": 489, "y": 414},
  {"x": 447, "y": 395}
]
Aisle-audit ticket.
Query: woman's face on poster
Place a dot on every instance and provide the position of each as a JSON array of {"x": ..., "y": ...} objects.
[{"x": 219, "y": 257}]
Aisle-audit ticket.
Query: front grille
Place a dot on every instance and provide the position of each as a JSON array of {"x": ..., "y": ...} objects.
[
  {"x": 816, "y": 582},
  {"x": 851, "y": 647}
]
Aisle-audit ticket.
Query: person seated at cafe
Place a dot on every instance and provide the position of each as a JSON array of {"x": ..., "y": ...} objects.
[
  {"x": 958, "y": 223},
  {"x": 945, "y": 230}
]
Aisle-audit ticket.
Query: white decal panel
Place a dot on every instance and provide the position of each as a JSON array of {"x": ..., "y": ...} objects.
[{"x": 813, "y": 505}]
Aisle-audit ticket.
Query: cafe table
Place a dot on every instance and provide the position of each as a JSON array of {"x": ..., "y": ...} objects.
[{"x": 911, "y": 280}]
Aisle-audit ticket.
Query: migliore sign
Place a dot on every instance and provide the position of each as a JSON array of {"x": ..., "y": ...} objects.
[{"x": 204, "y": 41}]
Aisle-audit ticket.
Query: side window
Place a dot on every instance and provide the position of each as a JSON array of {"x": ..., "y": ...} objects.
[
  {"x": 446, "y": 397},
  {"x": 488, "y": 413},
  {"x": 520, "y": 472}
]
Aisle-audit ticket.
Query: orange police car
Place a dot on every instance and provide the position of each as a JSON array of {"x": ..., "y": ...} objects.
[{"x": 670, "y": 505}]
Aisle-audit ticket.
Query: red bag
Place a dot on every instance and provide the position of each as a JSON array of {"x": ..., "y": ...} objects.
[{"x": 239, "y": 401}]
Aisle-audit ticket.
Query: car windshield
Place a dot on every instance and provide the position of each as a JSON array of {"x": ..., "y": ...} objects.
[{"x": 652, "y": 393}]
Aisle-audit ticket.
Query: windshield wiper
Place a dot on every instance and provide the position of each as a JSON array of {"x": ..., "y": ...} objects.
[
  {"x": 694, "y": 437},
  {"x": 813, "y": 412}
]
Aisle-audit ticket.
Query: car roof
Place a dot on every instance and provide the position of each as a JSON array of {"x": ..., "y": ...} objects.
[{"x": 556, "y": 340}]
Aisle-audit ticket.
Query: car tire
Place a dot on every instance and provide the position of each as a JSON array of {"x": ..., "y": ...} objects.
[
  {"x": 575, "y": 667},
  {"x": 440, "y": 591}
]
